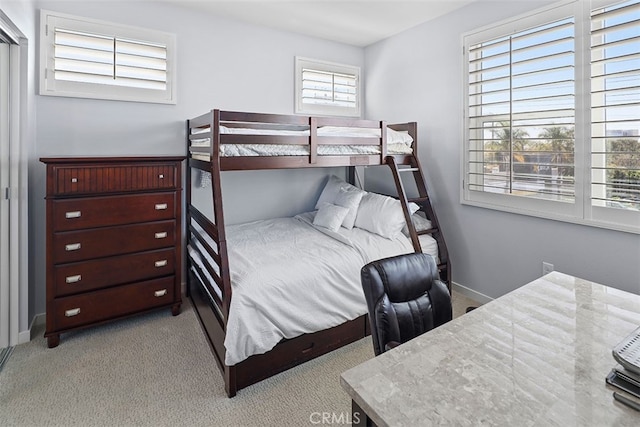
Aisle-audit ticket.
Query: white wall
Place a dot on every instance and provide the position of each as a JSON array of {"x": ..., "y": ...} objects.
[
  {"x": 417, "y": 75},
  {"x": 221, "y": 64}
]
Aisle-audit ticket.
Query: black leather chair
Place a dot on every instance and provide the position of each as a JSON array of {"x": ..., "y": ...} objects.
[{"x": 405, "y": 297}]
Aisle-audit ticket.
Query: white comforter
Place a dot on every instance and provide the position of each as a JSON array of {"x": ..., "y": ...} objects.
[{"x": 288, "y": 278}]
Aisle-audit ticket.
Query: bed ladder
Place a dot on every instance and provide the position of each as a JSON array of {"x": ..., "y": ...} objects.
[{"x": 423, "y": 200}]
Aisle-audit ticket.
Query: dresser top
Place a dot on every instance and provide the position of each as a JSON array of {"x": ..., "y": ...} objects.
[{"x": 109, "y": 159}]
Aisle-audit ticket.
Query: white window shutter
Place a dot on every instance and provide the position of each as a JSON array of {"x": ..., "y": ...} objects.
[
  {"x": 615, "y": 106},
  {"x": 325, "y": 88},
  {"x": 522, "y": 113}
]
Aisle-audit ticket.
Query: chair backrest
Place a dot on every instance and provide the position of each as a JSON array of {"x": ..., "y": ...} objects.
[{"x": 405, "y": 298}]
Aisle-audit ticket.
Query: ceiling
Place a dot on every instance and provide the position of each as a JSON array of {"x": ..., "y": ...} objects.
[{"x": 354, "y": 22}]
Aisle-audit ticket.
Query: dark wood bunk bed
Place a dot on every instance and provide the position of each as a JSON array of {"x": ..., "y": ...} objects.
[{"x": 212, "y": 298}]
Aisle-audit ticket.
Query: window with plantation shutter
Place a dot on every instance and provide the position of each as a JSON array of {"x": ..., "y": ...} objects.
[
  {"x": 615, "y": 106},
  {"x": 327, "y": 88},
  {"x": 94, "y": 59},
  {"x": 552, "y": 114},
  {"x": 521, "y": 113}
]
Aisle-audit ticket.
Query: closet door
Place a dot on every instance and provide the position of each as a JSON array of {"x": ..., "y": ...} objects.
[{"x": 4, "y": 201}]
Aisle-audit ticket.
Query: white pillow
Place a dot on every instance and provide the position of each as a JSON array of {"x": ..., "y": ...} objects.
[
  {"x": 331, "y": 189},
  {"x": 396, "y": 136},
  {"x": 341, "y": 193},
  {"x": 419, "y": 222},
  {"x": 382, "y": 215},
  {"x": 349, "y": 198},
  {"x": 330, "y": 216}
]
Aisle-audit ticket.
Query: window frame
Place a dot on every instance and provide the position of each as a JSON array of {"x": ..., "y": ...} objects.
[
  {"x": 581, "y": 211},
  {"x": 49, "y": 86},
  {"x": 329, "y": 67}
]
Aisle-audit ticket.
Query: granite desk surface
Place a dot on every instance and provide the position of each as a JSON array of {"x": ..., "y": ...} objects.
[{"x": 538, "y": 356}]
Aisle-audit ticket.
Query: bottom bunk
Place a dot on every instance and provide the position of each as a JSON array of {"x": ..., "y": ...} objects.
[
  {"x": 295, "y": 290},
  {"x": 287, "y": 354}
]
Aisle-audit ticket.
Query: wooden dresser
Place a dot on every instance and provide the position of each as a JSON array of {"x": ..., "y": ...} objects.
[{"x": 113, "y": 239}]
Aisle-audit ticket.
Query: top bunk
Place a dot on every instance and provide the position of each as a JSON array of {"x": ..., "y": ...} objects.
[{"x": 230, "y": 140}]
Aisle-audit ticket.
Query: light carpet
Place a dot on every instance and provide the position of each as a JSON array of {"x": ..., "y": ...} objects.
[{"x": 156, "y": 370}]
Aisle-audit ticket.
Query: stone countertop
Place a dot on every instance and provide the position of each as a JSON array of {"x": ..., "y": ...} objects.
[{"x": 536, "y": 356}]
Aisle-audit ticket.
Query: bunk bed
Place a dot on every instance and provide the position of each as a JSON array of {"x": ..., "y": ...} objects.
[{"x": 220, "y": 141}]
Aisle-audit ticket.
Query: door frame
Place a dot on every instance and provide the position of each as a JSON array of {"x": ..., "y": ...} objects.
[
  {"x": 14, "y": 192},
  {"x": 5, "y": 162}
]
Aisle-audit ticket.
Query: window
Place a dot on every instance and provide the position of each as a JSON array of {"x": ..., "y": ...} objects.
[
  {"x": 615, "y": 106},
  {"x": 326, "y": 88},
  {"x": 552, "y": 124},
  {"x": 94, "y": 59}
]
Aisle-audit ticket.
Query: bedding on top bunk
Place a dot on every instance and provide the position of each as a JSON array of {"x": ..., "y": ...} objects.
[
  {"x": 292, "y": 276},
  {"x": 398, "y": 142}
]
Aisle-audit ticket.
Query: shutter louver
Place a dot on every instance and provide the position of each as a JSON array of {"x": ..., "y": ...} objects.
[
  {"x": 326, "y": 88},
  {"x": 91, "y": 58},
  {"x": 522, "y": 113},
  {"x": 615, "y": 106}
]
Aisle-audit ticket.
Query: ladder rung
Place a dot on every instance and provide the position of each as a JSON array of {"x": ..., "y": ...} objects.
[
  {"x": 418, "y": 199},
  {"x": 409, "y": 170},
  {"x": 427, "y": 231}
]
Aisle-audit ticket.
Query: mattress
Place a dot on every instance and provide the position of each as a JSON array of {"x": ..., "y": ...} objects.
[
  {"x": 290, "y": 277},
  {"x": 397, "y": 143}
]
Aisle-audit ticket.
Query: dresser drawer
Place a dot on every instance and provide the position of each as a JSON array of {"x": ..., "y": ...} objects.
[
  {"x": 75, "y": 214},
  {"x": 86, "y": 179},
  {"x": 109, "y": 303},
  {"x": 84, "y": 276},
  {"x": 70, "y": 246}
]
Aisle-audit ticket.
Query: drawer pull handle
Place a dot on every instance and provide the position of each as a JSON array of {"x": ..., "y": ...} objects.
[
  {"x": 73, "y": 279},
  {"x": 74, "y": 214},
  {"x": 74, "y": 180},
  {"x": 160, "y": 293},
  {"x": 72, "y": 312},
  {"x": 161, "y": 235},
  {"x": 72, "y": 247},
  {"x": 161, "y": 206},
  {"x": 161, "y": 176},
  {"x": 161, "y": 263}
]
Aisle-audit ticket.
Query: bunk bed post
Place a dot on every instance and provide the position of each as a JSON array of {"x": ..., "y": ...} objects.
[
  {"x": 351, "y": 175},
  {"x": 187, "y": 213},
  {"x": 383, "y": 141},
  {"x": 229, "y": 371},
  {"x": 413, "y": 132},
  {"x": 313, "y": 140},
  {"x": 219, "y": 213}
]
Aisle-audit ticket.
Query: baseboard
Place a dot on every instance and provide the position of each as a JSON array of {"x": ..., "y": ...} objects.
[
  {"x": 470, "y": 293},
  {"x": 26, "y": 336}
]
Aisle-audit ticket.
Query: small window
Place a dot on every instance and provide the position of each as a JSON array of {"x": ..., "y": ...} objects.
[
  {"x": 86, "y": 58},
  {"x": 327, "y": 88}
]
